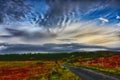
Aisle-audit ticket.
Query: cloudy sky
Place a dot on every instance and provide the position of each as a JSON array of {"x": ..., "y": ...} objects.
[{"x": 59, "y": 25}]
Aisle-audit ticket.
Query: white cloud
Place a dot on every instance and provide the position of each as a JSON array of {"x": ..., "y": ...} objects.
[
  {"x": 117, "y": 17},
  {"x": 104, "y": 20},
  {"x": 92, "y": 49},
  {"x": 2, "y": 47},
  {"x": 118, "y": 24},
  {"x": 83, "y": 32}
]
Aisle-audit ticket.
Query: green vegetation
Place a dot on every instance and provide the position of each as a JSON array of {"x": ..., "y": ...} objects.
[{"x": 55, "y": 56}]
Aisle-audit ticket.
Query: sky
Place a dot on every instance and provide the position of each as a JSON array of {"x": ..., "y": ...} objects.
[{"x": 59, "y": 25}]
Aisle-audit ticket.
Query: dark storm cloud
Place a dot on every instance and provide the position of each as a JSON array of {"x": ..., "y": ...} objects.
[
  {"x": 27, "y": 35},
  {"x": 115, "y": 3},
  {"x": 15, "y": 32},
  {"x": 17, "y": 48},
  {"x": 24, "y": 48}
]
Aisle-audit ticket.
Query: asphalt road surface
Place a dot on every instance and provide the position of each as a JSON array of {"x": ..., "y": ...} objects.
[{"x": 87, "y": 74}]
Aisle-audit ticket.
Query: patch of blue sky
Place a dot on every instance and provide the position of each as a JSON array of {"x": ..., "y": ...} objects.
[
  {"x": 96, "y": 14},
  {"x": 38, "y": 9},
  {"x": 108, "y": 13}
]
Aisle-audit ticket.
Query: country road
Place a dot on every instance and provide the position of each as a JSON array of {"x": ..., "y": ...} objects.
[{"x": 87, "y": 74}]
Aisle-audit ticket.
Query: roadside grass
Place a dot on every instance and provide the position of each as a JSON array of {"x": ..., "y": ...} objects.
[
  {"x": 115, "y": 72},
  {"x": 35, "y": 70},
  {"x": 109, "y": 65}
]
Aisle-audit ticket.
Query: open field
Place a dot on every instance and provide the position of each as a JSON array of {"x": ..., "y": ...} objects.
[
  {"x": 34, "y": 70},
  {"x": 109, "y": 65},
  {"x": 49, "y": 66}
]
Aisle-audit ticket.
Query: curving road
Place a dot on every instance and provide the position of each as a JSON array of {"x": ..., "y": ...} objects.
[{"x": 87, "y": 74}]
